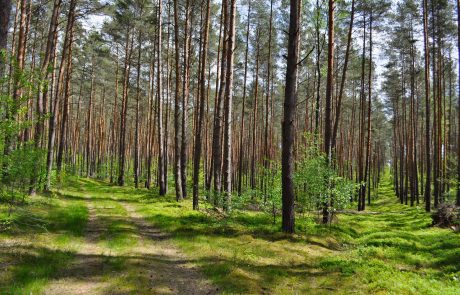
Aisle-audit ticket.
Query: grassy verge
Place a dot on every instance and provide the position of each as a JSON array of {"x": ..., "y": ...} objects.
[{"x": 37, "y": 240}]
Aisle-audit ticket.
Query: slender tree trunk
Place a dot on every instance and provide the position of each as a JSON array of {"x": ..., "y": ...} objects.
[
  {"x": 329, "y": 92},
  {"x": 344, "y": 77},
  {"x": 228, "y": 106},
  {"x": 65, "y": 111},
  {"x": 161, "y": 135},
  {"x": 43, "y": 89},
  {"x": 216, "y": 145},
  {"x": 458, "y": 106},
  {"x": 177, "y": 120},
  {"x": 288, "y": 129},
  {"x": 319, "y": 47},
  {"x": 362, "y": 190},
  {"x": 243, "y": 108},
  {"x": 89, "y": 123},
  {"x": 254, "y": 116},
  {"x": 203, "y": 95},
  {"x": 114, "y": 119},
  {"x": 124, "y": 109},
  {"x": 369, "y": 121},
  {"x": 136, "y": 131},
  {"x": 186, "y": 91},
  {"x": 266, "y": 154},
  {"x": 55, "y": 104},
  {"x": 427, "y": 108}
]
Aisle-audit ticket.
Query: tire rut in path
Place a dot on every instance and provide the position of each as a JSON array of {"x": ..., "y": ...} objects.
[
  {"x": 168, "y": 268},
  {"x": 84, "y": 274}
]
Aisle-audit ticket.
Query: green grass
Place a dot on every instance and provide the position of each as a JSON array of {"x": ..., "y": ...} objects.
[
  {"x": 393, "y": 252},
  {"x": 41, "y": 235}
]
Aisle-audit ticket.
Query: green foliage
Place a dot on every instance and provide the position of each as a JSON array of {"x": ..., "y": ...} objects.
[
  {"x": 272, "y": 190},
  {"x": 21, "y": 165},
  {"x": 21, "y": 162},
  {"x": 318, "y": 183}
]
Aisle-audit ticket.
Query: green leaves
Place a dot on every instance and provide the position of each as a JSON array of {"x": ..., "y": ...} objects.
[{"x": 318, "y": 183}]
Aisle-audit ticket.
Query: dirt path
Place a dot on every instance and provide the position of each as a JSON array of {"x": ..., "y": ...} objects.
[{"x": 152, "y": 265}]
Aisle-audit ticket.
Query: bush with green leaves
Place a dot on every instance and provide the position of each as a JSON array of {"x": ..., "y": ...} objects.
[
  {"x": 317, "y": 182},
  {"x": 272, "y": 190},
  {"x": 21, "y": 161}
]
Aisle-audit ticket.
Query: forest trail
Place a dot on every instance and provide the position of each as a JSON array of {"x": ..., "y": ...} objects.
[{"x": 140, "y": 258}]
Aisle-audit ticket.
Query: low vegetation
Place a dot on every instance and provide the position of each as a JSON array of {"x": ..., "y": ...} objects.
[{"x": 388, "y": 249}]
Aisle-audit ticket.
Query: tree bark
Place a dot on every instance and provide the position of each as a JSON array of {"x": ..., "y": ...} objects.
[
  {"x": 177, "y": 120},
  {"x": 124, "y": 109},
  {"x": 216, "y": 144},
  {"x": 344, "y": 77},
  {"x": 186, "y": 91},
  {"x": 458, "y": 107},
  {"x": 136, "y": 131},
  {"x": 288, "y": 130},
  {"x": 243, "y": 108},
  {"x": 203, "y": 95},
  {"x": 65, "y": 107},
  {"x": 228, "y": 106},
  {"x": 161, "y": 135},
  {"x": 328, "y": 110}
]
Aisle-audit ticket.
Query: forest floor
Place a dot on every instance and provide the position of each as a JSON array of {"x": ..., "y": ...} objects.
[{"x": 92, "y": 238}]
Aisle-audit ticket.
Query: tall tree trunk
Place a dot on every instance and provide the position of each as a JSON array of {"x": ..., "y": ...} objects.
[
  {"x": 319, "y": 47},
  {"x": 124, "y": 109},
  {"x": 65, "y": 107},
  {"x": 55, "y": 103},
  {"x": 288, "y": 129},
  {"x": 369, "y": 122},
  {"x": 458, "y": 107},
  {"x": 216, "y": 144},
  {"x": 344, "y": 77},
  {"x": 243, "y": 109},
  {"x": 186, "y": 90},
  {"x": 329, "y": 92},
  {"x": 177, "y": 120},
  {"x": 266, "y": 154},
  {"x": 427, "y": 108},
  {"x": 161, "y": 135},
  {"x": 43, "y": 89},
  {"x": 254, "y": 116},
  {"x": 203, "y": 95},
  {"x": 114, "y": 119},
  {"x": 89, "y": 123},
  {"x": 136, "y": 131},
  {"x": 228, "y": 106},
  {"x": 362, "y": 190}
]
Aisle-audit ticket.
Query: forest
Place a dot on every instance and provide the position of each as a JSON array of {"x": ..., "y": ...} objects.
[{"x": 230, "y": 147}]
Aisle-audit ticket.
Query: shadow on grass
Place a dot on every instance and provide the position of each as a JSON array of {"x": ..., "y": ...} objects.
[
  {"x": 376, "y": 244},
  {"x": 36, "y": 265},
  {"x": 48, "y": 217}
]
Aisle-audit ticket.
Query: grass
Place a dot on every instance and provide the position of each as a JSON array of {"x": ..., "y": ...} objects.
[
  {"x": 26, "y": 262},
  {"x": 393, "y": 252}
]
